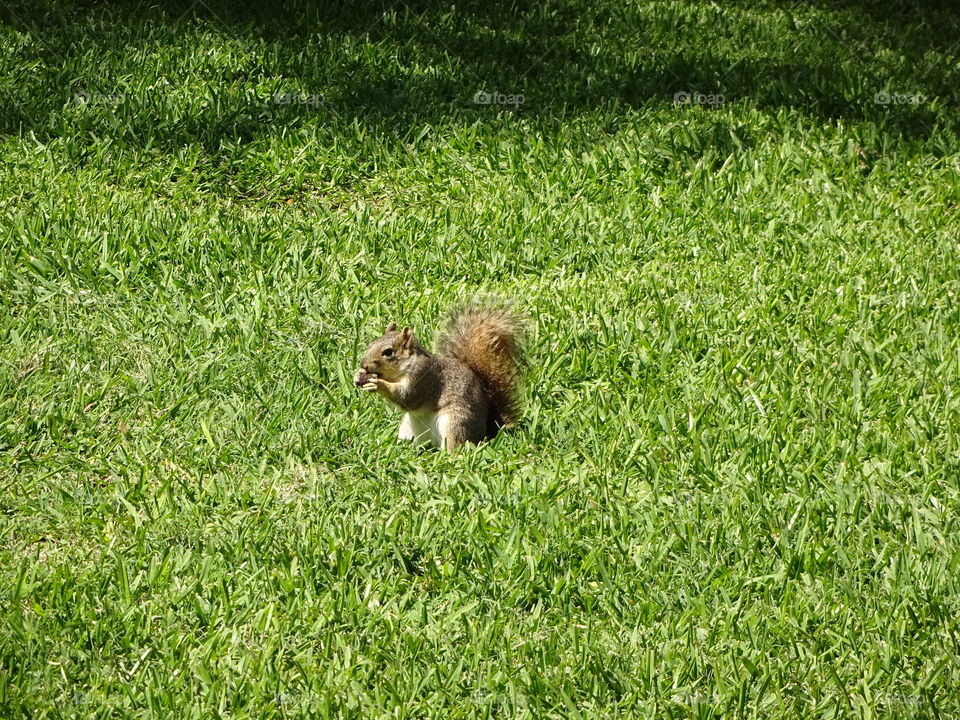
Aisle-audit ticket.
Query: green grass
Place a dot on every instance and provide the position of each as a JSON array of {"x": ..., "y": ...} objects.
[{"x": 736, "y": 489}]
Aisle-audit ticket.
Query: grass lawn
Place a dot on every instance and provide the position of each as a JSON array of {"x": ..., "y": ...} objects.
[{"x": 734, "y": 229}]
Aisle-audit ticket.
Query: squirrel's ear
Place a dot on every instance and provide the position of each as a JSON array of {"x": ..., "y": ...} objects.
[
  {"x": 391, "y": 327},
  {"x": 405, "y": 336}
]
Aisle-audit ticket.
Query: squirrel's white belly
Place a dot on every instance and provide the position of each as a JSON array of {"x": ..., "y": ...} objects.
[{"x": 424, "y": 427}]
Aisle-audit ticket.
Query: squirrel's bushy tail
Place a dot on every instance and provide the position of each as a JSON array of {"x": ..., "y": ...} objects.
[{"x": 485, "y": 336}]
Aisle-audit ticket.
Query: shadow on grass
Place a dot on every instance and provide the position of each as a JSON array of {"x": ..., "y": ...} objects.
[{"x": 405, "y": 63}]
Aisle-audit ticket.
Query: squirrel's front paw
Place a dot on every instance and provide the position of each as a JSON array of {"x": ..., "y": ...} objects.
[{"x": 363, "y": 378}]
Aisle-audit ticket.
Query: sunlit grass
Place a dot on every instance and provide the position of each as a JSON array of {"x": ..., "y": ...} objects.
[{"x": 735, "y": 489}]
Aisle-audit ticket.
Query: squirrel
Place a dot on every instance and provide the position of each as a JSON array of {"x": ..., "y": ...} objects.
[{"x": 464, "y": 393}]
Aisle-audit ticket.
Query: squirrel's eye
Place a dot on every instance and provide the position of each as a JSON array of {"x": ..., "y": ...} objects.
[{"x": 387, "y": 352}]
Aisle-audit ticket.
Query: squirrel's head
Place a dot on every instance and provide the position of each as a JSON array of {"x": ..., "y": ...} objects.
[{"x": 391, "y": 354}]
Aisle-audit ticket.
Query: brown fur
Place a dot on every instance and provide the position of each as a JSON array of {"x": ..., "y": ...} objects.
[{"x": 486, "y": 339}]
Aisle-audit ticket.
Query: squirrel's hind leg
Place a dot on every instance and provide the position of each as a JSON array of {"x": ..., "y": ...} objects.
[
  {"x": 406, "y": 428},
  {"x": 455, "y": 431},
  {"x": 409, "y": 429}
]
